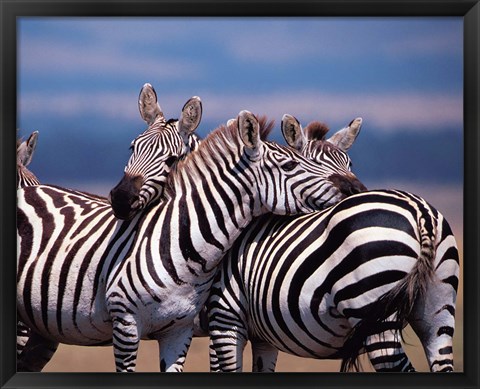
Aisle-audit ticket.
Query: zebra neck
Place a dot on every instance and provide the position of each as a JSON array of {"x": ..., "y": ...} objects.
[{"x": 204, "y": 217}]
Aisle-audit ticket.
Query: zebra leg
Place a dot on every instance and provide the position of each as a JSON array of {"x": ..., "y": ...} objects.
[
  {"x": 264, "y": 356},
  {"x": 125, "y": 344},
  {"x": 386, "y": 353},
  {"x": 226, "y": 350},
  {"x": 36, "y": 354},
  {"x": 173, "y": 349},
  {"x": 433, "y": 320}
]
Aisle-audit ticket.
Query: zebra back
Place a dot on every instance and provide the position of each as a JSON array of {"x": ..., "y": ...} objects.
[{"x": 154, "y": 153}]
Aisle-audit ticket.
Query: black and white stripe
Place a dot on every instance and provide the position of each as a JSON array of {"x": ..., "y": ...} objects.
[
  {"x": 233, "y": 176},
  {"x": 68, "y": 242},
  {"x": 335, "y": 283},
  {"x": 25, "y": 177},
  {"x": 77, "y": 316},
  {"x": 144, "y": 180}
]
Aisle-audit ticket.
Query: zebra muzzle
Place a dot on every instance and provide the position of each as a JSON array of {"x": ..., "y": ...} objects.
[
  {"x": 125, "y": 199},
  {"x": 348, "y": 184}
]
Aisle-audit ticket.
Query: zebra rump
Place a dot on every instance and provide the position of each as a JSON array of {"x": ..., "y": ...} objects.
[
  {"x": 398, "y": 302},
  {"x": 338, "y": 283}
]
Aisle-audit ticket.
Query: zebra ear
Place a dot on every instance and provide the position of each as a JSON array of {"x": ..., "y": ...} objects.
[
  {"x": 26, "y": 149},
  {"x": 345, "y": 137},
  {"x": 293, "y": 132},
  {"x": 148, "y": 105},
  {"x": 231, "y": 122},
  {"x": 190, "y": 117},
  {"x": 249, "y": 130}
]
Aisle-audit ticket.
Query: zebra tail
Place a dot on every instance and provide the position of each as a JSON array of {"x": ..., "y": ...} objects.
[{"x": 398, "y": 302}]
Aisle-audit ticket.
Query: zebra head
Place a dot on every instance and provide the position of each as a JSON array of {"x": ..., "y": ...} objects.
[
  {"x": 25, "y": 152},
  {"x": 288, "y": 182},
  {"x": 330, "y": 154},
  {"x": 154, "y": 153}
]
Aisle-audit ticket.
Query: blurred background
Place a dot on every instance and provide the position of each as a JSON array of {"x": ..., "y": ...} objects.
[{"x": 79, "y": 80}]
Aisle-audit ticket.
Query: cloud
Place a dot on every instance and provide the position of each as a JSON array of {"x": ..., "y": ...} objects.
[
  {"x": 385, "y": 112},
  {"x": 442, "y": 43},
  {"x": 62, "y": 58},
  {"x": 334, "y": 39}
]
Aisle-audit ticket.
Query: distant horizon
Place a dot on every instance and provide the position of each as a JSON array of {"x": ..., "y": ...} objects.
[{"x": 406, "y": 156}]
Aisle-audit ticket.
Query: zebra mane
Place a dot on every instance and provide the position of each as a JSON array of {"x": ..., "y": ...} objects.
[
  {"x": 266, "y": 126},
  {"x": 316, "y": 130},
  {"x": 220, "y": 143}
]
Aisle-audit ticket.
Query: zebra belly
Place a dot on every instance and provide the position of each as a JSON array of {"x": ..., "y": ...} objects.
[
  {"x": 301, "y": 332},
  {"x": 63, "y": 298},
  {"x": 160, "y": 312},
  {"x": 67, "y": 320}
]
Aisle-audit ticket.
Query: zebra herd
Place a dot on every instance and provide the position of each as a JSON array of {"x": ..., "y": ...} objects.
[{"x": 239, "y": 239}]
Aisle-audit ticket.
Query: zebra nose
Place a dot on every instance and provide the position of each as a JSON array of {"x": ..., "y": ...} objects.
[
  {"x": 124, "y": 197},
  {"x": 347, "y": 184},
  {"x": 357, "y": 186}
]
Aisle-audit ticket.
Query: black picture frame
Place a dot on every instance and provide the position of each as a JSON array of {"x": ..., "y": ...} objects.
[{"x": 10, "y": 10}]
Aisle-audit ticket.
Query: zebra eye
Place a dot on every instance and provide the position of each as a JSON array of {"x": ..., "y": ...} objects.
[
  {"x": 170, "y": 161},
  {"x": 290, "y": 165}
]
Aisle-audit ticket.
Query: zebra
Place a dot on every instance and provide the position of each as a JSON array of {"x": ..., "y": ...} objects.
[
  {"x": 233, "y": 176},
  {"x": 86, "y": 237},
  {"x": 313, "y": 144},
  {"x": 330, "y": 154},
  {"x": 25, "y": 177},
  {"x": 143, "y": 181},
  {"x": 79, "y": 317},
  {"x": 339, "y": 282}
]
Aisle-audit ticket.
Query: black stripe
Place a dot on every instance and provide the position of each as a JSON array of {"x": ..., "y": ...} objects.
[
  {"x": 446, "y": 350},
  {"x": 445, "y": 330},
  {"x": 148, "y": 258},
  {"x": 48, "y": 224},
  {"x": 449, "y": 308},
  {"x": 120, "y": 238},
  {"x": 383, "y": 345},
  {"x": 452, "y": 280},
  {"x": 368, "y": 283},
  {"x": 90, "y": 257},
  {"x": 25, "y": 232},
  {"x": 451, "y": 254},
  {"x": 188, "y": 250},
  {"x": 227, "y": 203}
]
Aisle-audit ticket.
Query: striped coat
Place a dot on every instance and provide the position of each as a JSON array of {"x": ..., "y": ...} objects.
[{"x": 336, "y": 283}]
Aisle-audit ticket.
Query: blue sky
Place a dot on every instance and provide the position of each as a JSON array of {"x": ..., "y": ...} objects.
[{"x": 79, "y": 78}]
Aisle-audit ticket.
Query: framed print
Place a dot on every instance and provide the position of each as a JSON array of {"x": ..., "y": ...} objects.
[{"x": 392, "y": 87}]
